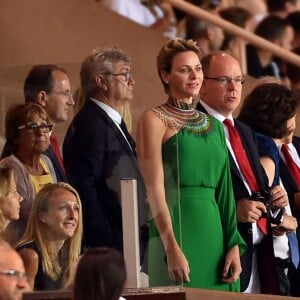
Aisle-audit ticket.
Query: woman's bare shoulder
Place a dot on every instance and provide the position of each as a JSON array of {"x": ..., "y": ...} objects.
[
  {"x": 150, "y": 118},
  {"x": 29, "y": 255}
]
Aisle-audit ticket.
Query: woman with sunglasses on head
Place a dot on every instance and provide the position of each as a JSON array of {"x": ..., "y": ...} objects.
[
  {"x": 27, "y": 130},
  {"x": 52, "y": 240}
]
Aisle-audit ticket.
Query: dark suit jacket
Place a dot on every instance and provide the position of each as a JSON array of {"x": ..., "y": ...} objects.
[
  {"x": 291, "y": 187},
  {"x": 288, "y": 180},
  {"x": 97, "y": 157},
  {"x": 60, "y": 174},
  {"x": 254, "y": 66},
  {"x": 240, "y": 192}
]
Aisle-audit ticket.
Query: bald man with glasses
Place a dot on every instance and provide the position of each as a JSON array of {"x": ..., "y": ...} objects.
[
  {"x": 13, "y": 280},
  {"x": 220, "y": 96}
]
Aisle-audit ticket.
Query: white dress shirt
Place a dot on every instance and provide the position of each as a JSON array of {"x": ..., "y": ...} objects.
[{"x": 113, "y": 115}]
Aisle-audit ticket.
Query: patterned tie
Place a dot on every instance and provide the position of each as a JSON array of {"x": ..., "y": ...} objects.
[
  {"x": 128, "y": 136},
  {"x": 245, "y": 167},
  {"x": 291, "y": 165},
  {"x": 55, "y": 147}
]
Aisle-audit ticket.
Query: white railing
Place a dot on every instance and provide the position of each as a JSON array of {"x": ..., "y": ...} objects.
[{"x": 130, "y": 231}]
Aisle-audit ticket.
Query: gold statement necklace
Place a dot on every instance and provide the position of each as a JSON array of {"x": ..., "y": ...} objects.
[{"x": 179, "y": 115}]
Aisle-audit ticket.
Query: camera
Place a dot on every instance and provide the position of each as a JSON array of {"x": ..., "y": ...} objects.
[
  {"x": 265, "y": 197},
  {"x": 273, "y": 214}
]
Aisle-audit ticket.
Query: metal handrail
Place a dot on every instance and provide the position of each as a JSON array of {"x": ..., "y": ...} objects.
[{"x": 236, "y": 30}]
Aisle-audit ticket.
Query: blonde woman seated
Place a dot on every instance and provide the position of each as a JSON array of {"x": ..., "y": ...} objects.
[
  {"x": 10, "y": 200},
  {"x": 27, "y": 131},
  {"x": 52, "y": 239}
]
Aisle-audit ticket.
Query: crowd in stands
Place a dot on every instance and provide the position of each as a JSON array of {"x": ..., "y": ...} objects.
[{"x": 218, "y": 176}]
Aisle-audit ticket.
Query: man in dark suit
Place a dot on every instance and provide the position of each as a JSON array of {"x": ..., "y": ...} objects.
[
  {"x": 49, "y": 86},
  {"x": 220, "y": 95},
  {"x": 99, "y": 151},
  {"x": 292, "y": 185}
]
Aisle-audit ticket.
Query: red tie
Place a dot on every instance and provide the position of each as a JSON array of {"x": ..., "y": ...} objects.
[
  {"x": 55, "y": 147},
  {"x": 245, "y": 167},
  {"x": 291, "y": 165}
]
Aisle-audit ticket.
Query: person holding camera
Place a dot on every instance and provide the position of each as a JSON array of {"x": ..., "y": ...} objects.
[
  {"x": 270, "y": 110},
  {"x": 220, "y": 96}
]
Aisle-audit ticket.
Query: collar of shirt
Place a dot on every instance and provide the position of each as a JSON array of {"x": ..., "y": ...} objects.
[
  {"x": 214, "y": 113},
  {"x": 257, "y": 235},
  {"x": 279, "y": 147},
  {"x": 112, "y": 113},
  {"x": 293, "y": 152}
]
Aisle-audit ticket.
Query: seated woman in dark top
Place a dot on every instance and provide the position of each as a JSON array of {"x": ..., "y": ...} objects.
[{"x": 52, "y": 240}]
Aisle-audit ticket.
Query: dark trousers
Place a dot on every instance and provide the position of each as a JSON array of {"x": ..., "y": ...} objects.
[
  {"x": 283, "y": 266},
  {"x": 294, "y": 277}
]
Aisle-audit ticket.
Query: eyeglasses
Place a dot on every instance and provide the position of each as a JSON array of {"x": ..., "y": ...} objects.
[
  {"x": 14, "y": 274},
  {"x": 65, "y": 94},
  {"x": 33, "y": 127},
  {"x": 127, "y": 75},
  {"x": 224, "y": 80}
]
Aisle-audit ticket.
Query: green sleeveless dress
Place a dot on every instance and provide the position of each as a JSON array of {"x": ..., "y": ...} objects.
[{"x": 199, "y": 194}]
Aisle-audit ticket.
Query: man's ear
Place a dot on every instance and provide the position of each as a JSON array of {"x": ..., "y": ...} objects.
[
  {"x": 101, "y": 83},
  {"x": 42, "y": 98}
]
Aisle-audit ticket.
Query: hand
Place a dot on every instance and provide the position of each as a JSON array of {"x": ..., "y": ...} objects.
[
  {"x": 168, "y": 21},
  {"x": 232, "y": 267},
  {"x": 277, "y": 230},
  {"x": 167, "y": 9},
  {"x": 279, "y": 197},
  {"x": 249, "y": 211},
  {"x": 288, "y": 224},
  {"x": 178, "y": 265},
  {"x": 163, "y": 24}
]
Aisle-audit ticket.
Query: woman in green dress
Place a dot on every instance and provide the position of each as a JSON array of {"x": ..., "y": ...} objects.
[{"x": 183, "y": 158}]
